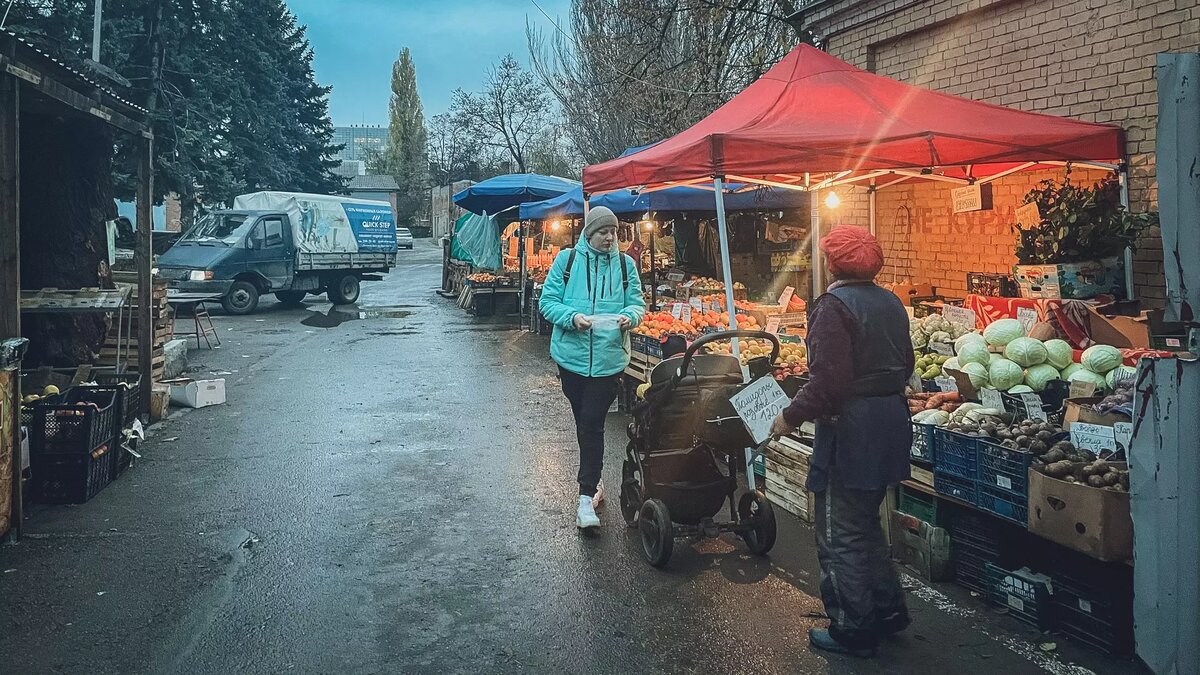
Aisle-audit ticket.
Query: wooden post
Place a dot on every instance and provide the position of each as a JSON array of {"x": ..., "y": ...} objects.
[
  {"x": 10, "y": 275},
  {"x": 144, "y": 256}
]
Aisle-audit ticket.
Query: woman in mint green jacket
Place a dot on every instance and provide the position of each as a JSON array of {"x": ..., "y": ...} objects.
[{"x": 591, "y": 280}]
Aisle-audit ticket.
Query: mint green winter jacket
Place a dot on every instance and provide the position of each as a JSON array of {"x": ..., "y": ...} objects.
[{"x": 595, "y": 287}]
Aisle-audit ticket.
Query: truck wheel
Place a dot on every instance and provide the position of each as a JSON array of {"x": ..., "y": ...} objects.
[
  {"x": 344, "y": 291},
  {"x": 242, "y": 298},
  {"x": 290, "y": 297}
]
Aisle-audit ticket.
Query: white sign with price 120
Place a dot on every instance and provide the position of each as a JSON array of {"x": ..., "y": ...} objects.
[{"x": 758, "y": 405}]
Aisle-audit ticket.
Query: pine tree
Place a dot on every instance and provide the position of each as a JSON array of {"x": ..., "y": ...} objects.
[{"x": 406, "y": 157}]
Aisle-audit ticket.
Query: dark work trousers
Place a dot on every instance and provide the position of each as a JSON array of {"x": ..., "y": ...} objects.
[
  {"x": 590, "y": 399},
  {"x": 859, "y": 585}
]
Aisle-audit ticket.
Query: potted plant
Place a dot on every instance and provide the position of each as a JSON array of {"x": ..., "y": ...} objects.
[{"x": 1077, "y": 250}]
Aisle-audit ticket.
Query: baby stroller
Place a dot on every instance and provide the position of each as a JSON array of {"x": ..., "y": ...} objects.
[{"x": 685, "y": 446}]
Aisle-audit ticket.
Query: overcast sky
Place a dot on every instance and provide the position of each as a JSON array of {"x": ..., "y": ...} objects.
[{"x": 452, "y": 42}]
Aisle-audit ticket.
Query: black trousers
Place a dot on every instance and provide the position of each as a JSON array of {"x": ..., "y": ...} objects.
[
  {"x": 859, "y": 585},
  {"x": 590, "y": 399}
]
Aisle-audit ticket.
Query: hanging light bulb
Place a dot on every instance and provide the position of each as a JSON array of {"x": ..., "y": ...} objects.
[
  {"x": 648, "y": 225},
  {"x": 832, "y": 200},
  {"x": 555, "y": 225}
]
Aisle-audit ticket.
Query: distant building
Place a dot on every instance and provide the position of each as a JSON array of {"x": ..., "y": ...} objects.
[
  {"x": 443, "y": 210},
  {"x": 351, "y": 167},
  {"x": 378, "y": 188},
  {"x": 361, "y": 142}
]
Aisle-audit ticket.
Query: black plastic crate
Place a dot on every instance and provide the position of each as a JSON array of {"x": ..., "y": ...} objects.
[
  {"x": 28, "y": 409},
  {"x": 82, "y": 422},
  {"x": 1102, "y": 619},
  {"x": 970, "y": 567},
  {"x": 1004, "y": 469},
  {"x": 954, "y": 486},
  {"x": 956, "y": 454},
  {"x": 126, "y": 387},
  {"x": 71, "y": 478},
  {"x": 1003, "y": 503},
  {"x": 923, "y": 441},
  {"x": 992, "y": 285},
  {"x": 1025, "y": 596}
]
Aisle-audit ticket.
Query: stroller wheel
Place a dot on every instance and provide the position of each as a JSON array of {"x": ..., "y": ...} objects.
[
  {"x": 756, "y": 511},
  {"x": 658, "y": 534},
  {"x": 631, "y": 493}
]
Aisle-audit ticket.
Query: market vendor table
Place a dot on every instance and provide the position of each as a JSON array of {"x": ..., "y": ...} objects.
[
  {"x": 484, "y": 299},
  {"x": 193, "y": 305}
]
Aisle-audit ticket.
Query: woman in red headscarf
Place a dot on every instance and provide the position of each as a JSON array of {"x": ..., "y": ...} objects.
[{"x": 860, "y": 359}]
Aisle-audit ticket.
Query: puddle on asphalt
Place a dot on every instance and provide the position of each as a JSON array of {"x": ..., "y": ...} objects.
[{"x": 337, "y": 316}]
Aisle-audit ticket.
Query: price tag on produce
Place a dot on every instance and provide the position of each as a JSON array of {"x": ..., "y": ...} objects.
[
  {"x": 1099, "y": 439},
  {"x": 1028, "y": 317},
  {"x": 959, "y": 316},
  {"x": 786, "y": 296},
  {"x": 685, "y": 313},
  {"x": 677, "y": 309},
  {"x": 943, "y": 348},
  {"x": 945, "y": 383},
  {"x": 758, "y": 405},
  {"x": 696, "y": 304},
  {"x": 773, "y": 324},
  {"x": 1082, "y": 389},
  {"x": 1029, "y": 216},
  {"x": 1123, "y": 431},
  {"x": 991, "y": 399},
  {"x": 1033, "y": 407},
  {"x": 690, "y": 283},
  {"x": 675, "y": 276}
]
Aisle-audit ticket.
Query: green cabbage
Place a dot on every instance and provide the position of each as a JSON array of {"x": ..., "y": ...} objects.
[
  {"x": 1059, "y": 353},
  {"x": 952, "y": 364},
  {"x": 1025, "y": 352},
  {"x": 1101, "y": 358},
  {"x": 1070, "y": 370},
  {"x": 1037, "y": 376},
  {"x": 1005, "y": 374},
  {"x": 1002, "y": 332},
  {"x": 994, "y": 357},
  {"x": 978, "y": 374},
  {"x": 1119, "y": 371},
  {"x": 967, "y": 338},
  {"x": 974, "y": 352},
  {"x": 1020, "y": 389},
  {"x": 1085, "y": 375}
]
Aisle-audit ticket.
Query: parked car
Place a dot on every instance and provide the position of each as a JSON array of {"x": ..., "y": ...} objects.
[
  {"x": 289, "y": 244},
  {"x": 404, "y": 238}
]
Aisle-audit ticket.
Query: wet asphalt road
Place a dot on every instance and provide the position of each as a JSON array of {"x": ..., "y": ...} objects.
[{"x": 395, "y": 494}]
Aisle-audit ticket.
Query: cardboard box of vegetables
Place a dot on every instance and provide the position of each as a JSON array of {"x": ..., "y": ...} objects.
[{"x": 1083, "y": 506}]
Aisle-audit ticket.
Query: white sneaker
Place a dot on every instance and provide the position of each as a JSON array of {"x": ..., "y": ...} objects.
[{"x": 586, "y": 516}]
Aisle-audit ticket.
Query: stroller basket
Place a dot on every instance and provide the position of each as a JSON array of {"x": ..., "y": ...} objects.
[{"x": 689, "y": 481}]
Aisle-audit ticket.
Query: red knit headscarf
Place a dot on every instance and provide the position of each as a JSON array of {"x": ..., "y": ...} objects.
[{"x": 853, "y": 252}]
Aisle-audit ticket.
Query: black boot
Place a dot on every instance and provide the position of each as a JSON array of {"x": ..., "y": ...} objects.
[
  {"x": 821, "y": 639},
  {"x": 894, "y": 622}
]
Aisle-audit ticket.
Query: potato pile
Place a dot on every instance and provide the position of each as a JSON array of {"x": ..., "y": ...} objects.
[{"x": 1098, "y": 473}]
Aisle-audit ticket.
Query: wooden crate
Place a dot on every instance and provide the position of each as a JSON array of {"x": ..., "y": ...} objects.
[{"x": 787, "y": 461}]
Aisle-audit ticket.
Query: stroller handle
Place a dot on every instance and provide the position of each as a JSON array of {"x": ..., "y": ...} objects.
[{"x": 727, "y": 335}]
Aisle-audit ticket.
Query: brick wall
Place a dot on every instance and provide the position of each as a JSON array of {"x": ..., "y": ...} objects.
[{"x": 1088, "y": 59}]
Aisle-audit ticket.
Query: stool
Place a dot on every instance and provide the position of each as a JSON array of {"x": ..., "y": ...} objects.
[{"x": 203, "y": 323}]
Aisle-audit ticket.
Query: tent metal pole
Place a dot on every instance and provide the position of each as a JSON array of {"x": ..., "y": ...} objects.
[
  {"x": 871, "y": 201},
  {"x": 815, "y": 240},
  {"x": 1123, "y": 177},
  {"x": 727, "y": 274}
]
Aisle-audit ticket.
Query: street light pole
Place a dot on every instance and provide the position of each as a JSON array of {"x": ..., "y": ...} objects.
[{"x": 96, "y": 31}]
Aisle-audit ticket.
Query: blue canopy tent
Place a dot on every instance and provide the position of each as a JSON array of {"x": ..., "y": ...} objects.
[
  {"x": 738, "y": 197},
  {"x": 501, "y": 193}
]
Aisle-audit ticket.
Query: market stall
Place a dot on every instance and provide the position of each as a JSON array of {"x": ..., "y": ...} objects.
[
  {"x": 1021, "y": 405},
  {"x": 73, "y": 432}
]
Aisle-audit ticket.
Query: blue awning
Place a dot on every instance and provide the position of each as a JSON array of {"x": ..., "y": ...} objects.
[
  {"x": 683, "y": 198},
  {"x": 504, "y": 192}
]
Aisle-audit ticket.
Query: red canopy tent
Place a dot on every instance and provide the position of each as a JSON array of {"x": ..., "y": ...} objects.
[
  {"x": 813, "y": 113},
  {"x": 814, "y": 122}
]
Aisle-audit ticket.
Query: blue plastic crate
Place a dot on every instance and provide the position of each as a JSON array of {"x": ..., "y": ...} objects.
[
  {"x": 923, "y": 441},
  {"x": 1003, "y": 503},
  {"x": 956, "y": 454},
  {"x": 954, "y": 486},
  {"x": 1004, "y": 469}
]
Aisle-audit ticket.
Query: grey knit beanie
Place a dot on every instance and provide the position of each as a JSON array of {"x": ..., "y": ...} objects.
[{"x": 598, "y": 218}]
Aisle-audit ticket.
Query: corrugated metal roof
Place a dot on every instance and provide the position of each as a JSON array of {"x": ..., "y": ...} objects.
[
  {"x": 4, "y": 34},
  {"x": 373, "y": 182}
]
